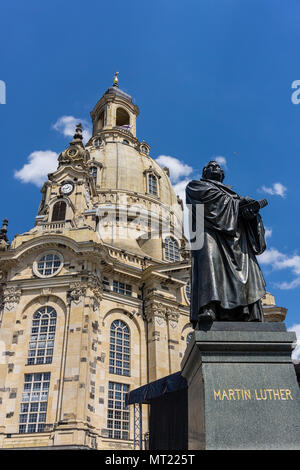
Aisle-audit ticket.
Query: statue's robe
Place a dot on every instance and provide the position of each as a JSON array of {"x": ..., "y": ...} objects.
[{"x": 225, "y": 269}]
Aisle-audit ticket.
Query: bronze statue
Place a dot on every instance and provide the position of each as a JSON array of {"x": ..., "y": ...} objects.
[{"x": 227, "y": 283}]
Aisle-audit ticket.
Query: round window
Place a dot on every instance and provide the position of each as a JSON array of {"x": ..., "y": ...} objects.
[
  {"x": 97, "y": 142},
  {"x": 49, "y": 264},
  {"x": 72, "y": 152}
]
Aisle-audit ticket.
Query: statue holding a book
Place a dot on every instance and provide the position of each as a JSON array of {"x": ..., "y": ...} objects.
[{"x": 226, "y": 280}]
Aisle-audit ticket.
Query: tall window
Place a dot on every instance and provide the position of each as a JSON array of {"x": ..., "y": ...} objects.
[
  {"x": 188, "y": 290},
  {"x": 171, "y": 249},
  {"x": 93, "y": 173},
  {"x": 42, "y": 336},
  {"x": 101, "y": 120},
  {"x": 59, "y": 211},
  {"x": 34, "y": 402},
  {"x": 121, "y": 288},
  {"x": 119, "y": 353},
  {"x": 152, "y": 184},
  {"x": 117, "y": 412}
]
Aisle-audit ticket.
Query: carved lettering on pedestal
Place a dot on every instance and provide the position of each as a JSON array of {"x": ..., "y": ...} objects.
[{"x": 237, "y": 394}]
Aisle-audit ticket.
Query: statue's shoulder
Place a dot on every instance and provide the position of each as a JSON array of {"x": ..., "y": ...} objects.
[
  {"x": 224, "y": 188},
  {"x": 198, "y": 184}
]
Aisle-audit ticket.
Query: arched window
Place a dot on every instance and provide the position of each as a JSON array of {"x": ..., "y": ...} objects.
[
  {"x": 144, "y": 149},
  {"x": 152, "y": 184},
  {"x": 93, "y": 173},
  {"x": 119, "y": 352},
  {"x": 189, "y": 337},
  {"x": 42, "y": 336},
  {"x": 100, "y": 120},
  {"x": 122, "y": 118},
  {"x": 59, "y": 211},
  {"x": 97, "y": 142},
  {"x": 188, "y": 290},
  {"x": 171, "y": 249}
]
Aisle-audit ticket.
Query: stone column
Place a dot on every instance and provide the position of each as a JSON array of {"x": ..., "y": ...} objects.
[
  {"x": 157, "y": 341},
  {"x": 173, "y": 339},
  {"x": 73, "y": 371}
]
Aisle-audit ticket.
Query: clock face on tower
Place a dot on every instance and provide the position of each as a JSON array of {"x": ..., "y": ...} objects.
[{"x": 66, "y": 188}]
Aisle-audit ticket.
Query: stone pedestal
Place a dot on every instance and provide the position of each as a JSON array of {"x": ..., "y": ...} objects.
[{"x": 242, "y": 387}]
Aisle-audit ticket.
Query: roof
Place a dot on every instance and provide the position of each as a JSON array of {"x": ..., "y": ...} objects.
[
  {"x": 146, "y": 393},
  {"x": 117, "y": 91}
]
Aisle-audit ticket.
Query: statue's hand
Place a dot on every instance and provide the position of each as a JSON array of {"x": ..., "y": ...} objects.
[{"x": 248, "y": 213}]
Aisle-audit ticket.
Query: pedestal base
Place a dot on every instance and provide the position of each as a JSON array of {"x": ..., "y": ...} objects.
[{"x": 242, "y": 387}]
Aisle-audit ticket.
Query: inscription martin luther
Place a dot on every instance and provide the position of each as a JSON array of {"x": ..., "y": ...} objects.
[{"x": 247, "y": 394}]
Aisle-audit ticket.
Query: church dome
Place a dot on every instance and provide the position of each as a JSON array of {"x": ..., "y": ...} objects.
[{"x": 125, "y": 174}]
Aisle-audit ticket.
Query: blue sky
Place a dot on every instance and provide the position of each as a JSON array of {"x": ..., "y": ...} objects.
[{"x": 212, "y": 78}]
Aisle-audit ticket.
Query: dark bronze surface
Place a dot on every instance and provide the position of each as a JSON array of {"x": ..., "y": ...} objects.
[{"x": 227, "y": 283}]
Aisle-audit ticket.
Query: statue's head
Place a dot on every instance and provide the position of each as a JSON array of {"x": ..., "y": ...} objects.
[{"x": 213, "y": 171}]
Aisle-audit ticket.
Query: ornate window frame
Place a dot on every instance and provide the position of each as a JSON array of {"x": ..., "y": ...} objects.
[
  {"x": 93, "y": 172},
  {"x": 97, "y": 141},
  {"x": 156, "y": 175},
  {"x": 120, "y": 287},
  {"x": 99, "y": 167},
  {"x": 37, "y": 260},
  {"x": 167, "y": 258},
  {"x": 70, "y": 209},
  {"x": 41, "y": 344},
  {"x": 119, "y": 348},
  {"x": 62, "y": 219},
  {"x": 144, "y": 148}
]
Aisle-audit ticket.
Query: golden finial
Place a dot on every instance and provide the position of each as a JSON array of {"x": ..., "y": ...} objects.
[{"x": 116, "y": 80}]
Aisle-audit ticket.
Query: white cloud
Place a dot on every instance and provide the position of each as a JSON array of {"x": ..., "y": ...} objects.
[
  {"x": 179, "y": 188},
  {"x": 289, "y": 285},
  {"x": 221, "y": 160},
  {"x": 296, "y": 352},
  {"x": 178, "y": 169},
  {"x": 276, "y": 190},
  {"x": 66, "y": 125},
  {"x": 40, "y": 163},
  {"x": 268, "y": 232},
  {"x": 279, "y": 261}
]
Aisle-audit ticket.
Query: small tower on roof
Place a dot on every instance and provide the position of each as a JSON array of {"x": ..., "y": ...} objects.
[{"x": 115, "y": 110}]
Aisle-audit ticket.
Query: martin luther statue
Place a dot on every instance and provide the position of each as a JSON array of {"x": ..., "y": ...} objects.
[{"x": 227, "y": 283}]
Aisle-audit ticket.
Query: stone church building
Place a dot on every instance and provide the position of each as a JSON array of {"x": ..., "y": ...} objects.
[{"x": 95, "y": 297}]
